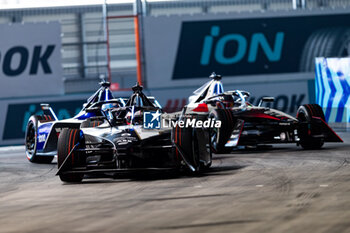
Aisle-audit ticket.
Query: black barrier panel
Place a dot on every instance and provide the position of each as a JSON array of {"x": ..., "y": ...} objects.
[
  {"x": 18, "y": 115},
  {"x": 258, "y": 46}
]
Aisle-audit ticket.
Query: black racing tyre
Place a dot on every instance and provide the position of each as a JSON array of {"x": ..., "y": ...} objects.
[
  {"x": 327, "y": 42},
  {"x": 67, "y": 140},
  {"x": 92, "y": 122},
  {"x": 31, "y": 142},
  {"x": 305, "y": 131},
  {"x": 205, "y": 137},
  {"x": 220, "y": 136},
  {"x": 190, "y": 140},
  {"x": 306, "y": 111},
  {"x": 203, "y": 166},
  {"x": 185, "y": 139}
]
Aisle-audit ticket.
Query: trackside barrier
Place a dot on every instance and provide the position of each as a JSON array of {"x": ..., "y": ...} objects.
[
  {"x": 332, "y": 84},
  {"x": 14, "y": 113}
]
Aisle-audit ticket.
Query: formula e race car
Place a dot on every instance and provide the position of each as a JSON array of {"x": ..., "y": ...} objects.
[
  {"x": 42, "y": 130},
  {"x": 244, "y": 124},
  {"x": 120, "y": 141}
]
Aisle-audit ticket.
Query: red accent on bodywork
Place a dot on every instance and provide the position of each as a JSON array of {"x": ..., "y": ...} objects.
[
  {"x": 262, "y": 115},
  {"x": 201, "y": 108}
]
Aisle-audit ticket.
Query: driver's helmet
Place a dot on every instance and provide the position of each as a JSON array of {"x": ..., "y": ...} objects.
[
  {"x": 138, "y": 117},
  {"x": 228, "y": 101},
  {"x": 107, "y": 107}
]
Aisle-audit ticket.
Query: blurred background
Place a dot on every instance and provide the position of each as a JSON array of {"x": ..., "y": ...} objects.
[{"x": 57, "y": 52}]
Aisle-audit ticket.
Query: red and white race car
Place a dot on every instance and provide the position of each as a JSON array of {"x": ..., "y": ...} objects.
[{"x": 244, "y": 124}]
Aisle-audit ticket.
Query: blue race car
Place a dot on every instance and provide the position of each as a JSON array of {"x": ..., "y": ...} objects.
[{"x": 43, "y": 130}]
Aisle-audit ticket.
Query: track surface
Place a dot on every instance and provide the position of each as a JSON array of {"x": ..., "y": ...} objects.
[{"x": 284, "y": 189}]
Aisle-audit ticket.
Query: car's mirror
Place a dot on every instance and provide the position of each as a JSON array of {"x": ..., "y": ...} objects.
[
  {"x": 95, "y": 109},
  {"x": 267, "y": 99}
]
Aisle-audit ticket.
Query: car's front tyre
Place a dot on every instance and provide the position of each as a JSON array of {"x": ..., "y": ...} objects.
[
  {"x": 31, "y": 142},
  {"x": 67, "y": 141}
]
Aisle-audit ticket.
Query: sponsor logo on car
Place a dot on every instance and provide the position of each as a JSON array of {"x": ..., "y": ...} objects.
[{"x": 42, "y": 138}]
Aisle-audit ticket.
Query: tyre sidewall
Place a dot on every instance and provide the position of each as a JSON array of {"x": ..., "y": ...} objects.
[
  {"x": 225, "y": 131},
  {"x": 32, "y": 120},
  {"x": 66, "y": 142}
]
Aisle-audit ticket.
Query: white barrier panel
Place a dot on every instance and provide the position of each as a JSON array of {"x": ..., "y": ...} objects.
[
  {"x": 333, "y": 88},
  {"x": 30, "y": 60}
]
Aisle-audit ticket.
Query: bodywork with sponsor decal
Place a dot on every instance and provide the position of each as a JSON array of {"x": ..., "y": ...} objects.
[
  {"x": 244, "y": 124},
  {"x": 122, "y": 142},
  {"x": 42, "y": 131}
]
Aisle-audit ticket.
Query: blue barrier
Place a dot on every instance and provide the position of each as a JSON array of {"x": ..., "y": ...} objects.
[{"x": 332, "y": 84}]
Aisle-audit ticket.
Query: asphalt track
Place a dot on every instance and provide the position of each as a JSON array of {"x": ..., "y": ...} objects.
[{"x": 279, "y": 189}]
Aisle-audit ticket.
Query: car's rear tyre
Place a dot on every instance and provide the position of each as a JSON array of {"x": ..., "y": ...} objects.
[
  {"x": 31, "y": 142},
  {"x": 66, "y": 142},
  {"x": 306, "y": 130},
  {"x": 220, "y": 136},
  {"x": 92, "y": 122}
]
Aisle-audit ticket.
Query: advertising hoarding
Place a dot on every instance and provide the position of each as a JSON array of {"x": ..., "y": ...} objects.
[{"x": 30, "y": 60}]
